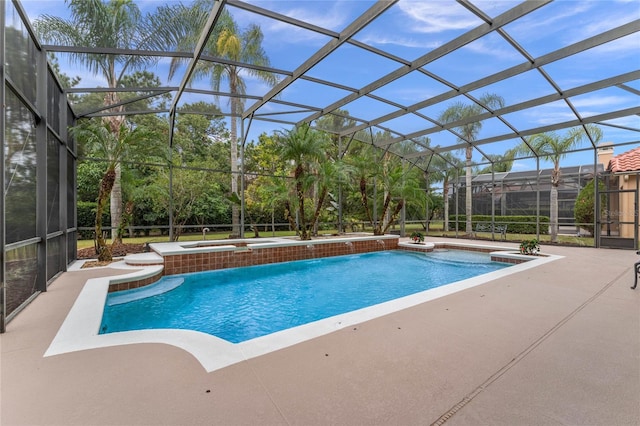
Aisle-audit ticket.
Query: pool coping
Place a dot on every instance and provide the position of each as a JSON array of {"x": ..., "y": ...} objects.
[
  {"x": 242, "y": 244},
  {"x": 79, "y": 331}
]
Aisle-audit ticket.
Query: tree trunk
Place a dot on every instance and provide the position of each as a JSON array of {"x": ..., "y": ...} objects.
[
  {"x": 393, "y": 217},
  {"x": 116, "y": 206},
  {"x": 321, "y": 197},
  {"x": 385, "y": 219},
  {"x": 235, "y": 210},
  {"x": 116, "y": 192},
  {"x": 445, "y": 196},
  {"x": 553, "y": 214},
  {"x": 102, "y": 249},
  {"x": 468, "y": 199},
  {"x": 302, "y": 224},
  {"x": 365, "y": 200},
  {"x": 314, "y": 222},
  {"x": 289, "y": 216},
  {"x": 273, "y": 221}
]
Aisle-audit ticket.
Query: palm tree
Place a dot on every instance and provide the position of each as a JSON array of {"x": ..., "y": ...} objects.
[
  {"x": 445, "y": 166},
  {"x": 553, "y": 147},
  {"x": 108, "y": 24},
  {"x": 500, "y": 163},
  {"x": 328, "y": 173},
  {"x": 230, "y": 42},
  {"x": 305, "y": 148},
  {"x": 364, "y": 166},
  {"x": 468, "y": 133},
  {"x": 389, "y": 173},
  {"x": 98, "y": 137}
]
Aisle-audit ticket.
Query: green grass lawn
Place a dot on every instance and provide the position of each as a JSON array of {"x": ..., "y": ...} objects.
[
  {"x": 82, "y": 244},
  {"x": 435, "y": 230}
]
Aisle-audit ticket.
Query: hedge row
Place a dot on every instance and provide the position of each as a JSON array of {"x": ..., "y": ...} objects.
[{"x": 515, "y": 224}]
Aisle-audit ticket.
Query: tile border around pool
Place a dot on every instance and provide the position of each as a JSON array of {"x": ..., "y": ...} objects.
[{"x": 79, "y": 331}]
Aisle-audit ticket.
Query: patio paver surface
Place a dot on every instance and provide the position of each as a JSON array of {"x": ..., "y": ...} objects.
[{"x": 557, "y": 344}]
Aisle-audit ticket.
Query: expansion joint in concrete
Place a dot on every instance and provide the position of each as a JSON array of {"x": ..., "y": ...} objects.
[{"x": 468, "y": 398}]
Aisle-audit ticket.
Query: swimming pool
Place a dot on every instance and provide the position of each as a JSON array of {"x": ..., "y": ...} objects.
[{"x": 241, "y": 304}]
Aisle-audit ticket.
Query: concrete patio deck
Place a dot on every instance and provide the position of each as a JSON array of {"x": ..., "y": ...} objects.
[{"x": 558, "y": 344}]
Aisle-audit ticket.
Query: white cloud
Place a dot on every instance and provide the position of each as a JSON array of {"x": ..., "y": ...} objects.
[
  {"x": 600, "y": 101},
  {"x": 521, "y": 165},
  {"x": 437, "y": 16},
  {"x": 549, "y": 20},
  {"x": 632, "y": 121},
  {"x": 392, "y": 39},
  {"x": 498, "y": 51},
  {"x": 333, "y": 18},
  {"x": 412, "y": 95},
  {"x": 549, "y": 114},
  {"x": 627, "y": 46},
  {"x": 36, "y": 8}
]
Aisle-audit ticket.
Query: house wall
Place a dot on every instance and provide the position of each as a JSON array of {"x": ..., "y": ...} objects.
[{"x": 627, "y": 208}]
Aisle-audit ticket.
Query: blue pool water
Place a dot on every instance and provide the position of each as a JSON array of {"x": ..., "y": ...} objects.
[{"x": 244, "y": 303}]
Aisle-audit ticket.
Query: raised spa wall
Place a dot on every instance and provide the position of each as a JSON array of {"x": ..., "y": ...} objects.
[{"x": 180, "y": 258}]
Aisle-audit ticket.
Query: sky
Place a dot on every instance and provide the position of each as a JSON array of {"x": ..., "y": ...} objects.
[{"x": 412, "y": 28}]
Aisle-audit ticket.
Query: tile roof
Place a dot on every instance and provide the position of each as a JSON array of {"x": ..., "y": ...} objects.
[{"x": 626, "y": 162}]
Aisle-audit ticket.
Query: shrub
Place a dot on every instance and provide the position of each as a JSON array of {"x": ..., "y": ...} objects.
[
  {"x": 530, "y": 247},
  {"x": 584, "y": 208},
  {"x": 417, "y": 237},
  {"x": 515, "y": 224}
]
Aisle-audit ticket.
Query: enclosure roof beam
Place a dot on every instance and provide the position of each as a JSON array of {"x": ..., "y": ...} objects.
[
  {"x": 470, "y": 36},
  {"x": 296, "y": 111},
  {"x": 57, "y": 48},
  {"x": 160, "y": 53},
  {"x": 565, "y": 52},
  {"x": 608, "y": 82},
  {"x": 204, "y": 37},
  {"x": 362, "y": 21},
  {"x": 550, "y": 128},
  {"x": 629, "y": 89},
  {"x": 294, "y": 104},
  {"x": 314, "y": 28},
  {"x": 282, "y": 18},
  {"x": 273, "y": 120},
  {"x": 328, "y": 83},
  {"x": 120, "y": 89},
  {"x": 112, "y": 114},
  {"x": 121, "y": 103}
]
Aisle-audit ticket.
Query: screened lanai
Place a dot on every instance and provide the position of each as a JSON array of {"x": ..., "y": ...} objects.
[{"x": 375, "y": 76}]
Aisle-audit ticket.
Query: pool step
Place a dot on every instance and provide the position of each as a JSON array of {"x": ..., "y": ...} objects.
[
  {"x": 143, "y": 259},
  {"x": 162, "y": 286}
]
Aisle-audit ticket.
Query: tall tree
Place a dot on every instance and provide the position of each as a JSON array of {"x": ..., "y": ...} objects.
[
  {"x": 305, "y": 148},
  {"x": 500, "y": 163},
  {"x": 111, "y": 24},
  {"x": 114, "y": 147},
  {"x": 468, "y": 133},
  {"x": 227, "y": 41},
  {"x": 387, "y": 176},
  {"x": 553, "y": 147},
  {"x": 444, "y": 167},
  {"x": 267, "y": 191},
  {"x": 199, "y": 132}
]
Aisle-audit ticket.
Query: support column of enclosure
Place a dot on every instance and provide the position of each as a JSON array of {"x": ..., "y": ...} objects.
[
  {"x": 3, "y": 289},
  {"x": 37, "y": 221}
]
